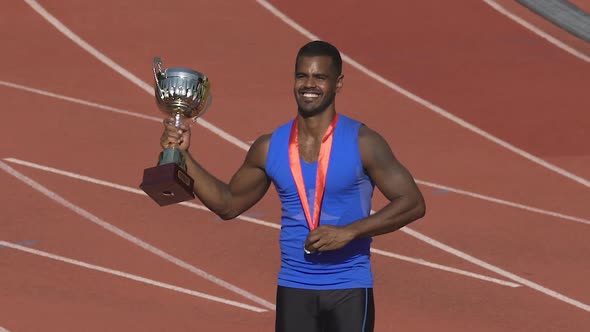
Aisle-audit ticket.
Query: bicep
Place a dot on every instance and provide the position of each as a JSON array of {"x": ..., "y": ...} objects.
[
  {"x": 250, "y": 182},
  {"x": 390, "y": 176}
]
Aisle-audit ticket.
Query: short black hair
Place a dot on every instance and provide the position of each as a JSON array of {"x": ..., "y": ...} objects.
[{"x": 321, "y": 48}]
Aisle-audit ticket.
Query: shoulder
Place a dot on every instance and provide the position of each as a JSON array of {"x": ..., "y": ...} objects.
[
  {"x": 368, "y": 139},
  {"x": 258, "y": 151},
  {"x": 365, "y": 133},
  {"x": 368, "y": 136},
  {"x": 373, "y": 147},
  {"x": 260, "y": 145}
]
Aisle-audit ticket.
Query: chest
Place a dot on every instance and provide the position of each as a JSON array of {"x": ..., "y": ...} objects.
[
  {"x": 309, "y": 150},
  {"x": 344, "y": 169}
]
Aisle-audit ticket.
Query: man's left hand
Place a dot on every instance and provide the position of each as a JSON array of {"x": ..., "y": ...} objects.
[{"x": 326, "y": 238}]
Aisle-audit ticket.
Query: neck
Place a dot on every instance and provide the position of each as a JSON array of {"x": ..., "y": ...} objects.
[{"x": 315, "y": 126}]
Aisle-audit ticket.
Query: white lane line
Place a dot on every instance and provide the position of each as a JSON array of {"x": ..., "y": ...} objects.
[
  {"x": 445, "y": 268},
  {"x": 498, "y": 270},
  {"x": 406, "y": 230},
  {"x": 130, "y": 276},
  {"x": 428, "y": 104},
  {"x": 113, "y": 229},
  {"x": 259, "y": 222},
  {"x": 424, "y": 183},
  {"x": 122, "y": 71},
  {"x": 232, "y": 139},
  {"x": 505, "y": 202},
  {"x": 537, "y": 31},
  {"x": 80, "y": 101},
  {"x": 380, "y": 79}
]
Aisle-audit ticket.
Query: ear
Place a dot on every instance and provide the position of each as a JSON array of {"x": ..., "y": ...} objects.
[{"x": 339, "y": 82}]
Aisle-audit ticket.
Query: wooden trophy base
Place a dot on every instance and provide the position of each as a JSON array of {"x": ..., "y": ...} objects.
[{"x": 167, "y": 184}]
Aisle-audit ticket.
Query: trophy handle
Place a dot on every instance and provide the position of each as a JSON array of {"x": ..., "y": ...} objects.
[{"x": 158, "y": 69}]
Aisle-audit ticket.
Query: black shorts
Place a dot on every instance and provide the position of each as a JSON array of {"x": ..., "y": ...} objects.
[{"x": 324, "y": 310}]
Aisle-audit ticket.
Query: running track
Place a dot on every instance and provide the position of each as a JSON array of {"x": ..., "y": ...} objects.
[{"x": 503, "y": 246}]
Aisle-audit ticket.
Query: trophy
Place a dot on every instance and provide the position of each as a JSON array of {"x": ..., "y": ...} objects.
[{"x": 184, "y": 94}]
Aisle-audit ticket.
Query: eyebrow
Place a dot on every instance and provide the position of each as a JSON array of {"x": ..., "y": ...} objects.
[{"x": 297, "y": 73}]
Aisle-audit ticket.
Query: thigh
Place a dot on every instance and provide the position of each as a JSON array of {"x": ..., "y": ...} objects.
[
  {"x": 297, "y": 310},
  {"x": 350, "y": 310}
]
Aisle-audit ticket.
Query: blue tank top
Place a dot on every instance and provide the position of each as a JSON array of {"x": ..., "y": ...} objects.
[{"x": 347, "y": 198}]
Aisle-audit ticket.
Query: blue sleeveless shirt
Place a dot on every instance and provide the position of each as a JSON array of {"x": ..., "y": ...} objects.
[{"x": 347, "y": 198}]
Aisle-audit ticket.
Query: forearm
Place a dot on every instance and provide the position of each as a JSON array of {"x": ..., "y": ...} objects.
[
  {"x": 213, "y": 193},
  {"x": 395, "y": 215}
]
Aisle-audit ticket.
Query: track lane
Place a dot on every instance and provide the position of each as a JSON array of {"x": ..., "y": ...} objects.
[
  {"x": 38, "y": 293},
  {"x": 56, "y": 229},
  {"x": 582, "y": 4},
  {"x": 411, "y": 301},
  {"x": 433, "y": 197},
  {"x": 417, "y": 273},
  {"x": 429, "y": 275},
  {"x": 513, "y": 93},
  {"x": 274, "y": 115},
  {"x": 211, "y": 113}
]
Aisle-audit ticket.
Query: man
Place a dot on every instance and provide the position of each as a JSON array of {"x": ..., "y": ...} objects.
[{"x": 325, "y": 166}]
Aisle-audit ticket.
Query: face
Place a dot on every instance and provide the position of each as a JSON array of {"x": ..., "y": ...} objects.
[{"x": 316, "y": 84}]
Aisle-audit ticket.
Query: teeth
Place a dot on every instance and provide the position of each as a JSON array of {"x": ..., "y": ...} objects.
[{"x": 310, "y": 95}]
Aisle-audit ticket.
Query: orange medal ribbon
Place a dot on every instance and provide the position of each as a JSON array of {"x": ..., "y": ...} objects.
[{"x": 323, "y": 161}]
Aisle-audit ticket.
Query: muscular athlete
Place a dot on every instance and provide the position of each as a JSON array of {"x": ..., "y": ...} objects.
[{"x": 325, "y": 281}]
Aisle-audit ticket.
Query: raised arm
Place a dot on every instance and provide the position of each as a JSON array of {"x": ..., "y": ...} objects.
[{"x": 228, "y": 200}]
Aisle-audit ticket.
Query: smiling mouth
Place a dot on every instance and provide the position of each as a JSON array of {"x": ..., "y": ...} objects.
[{"x": 310, "y": 95}]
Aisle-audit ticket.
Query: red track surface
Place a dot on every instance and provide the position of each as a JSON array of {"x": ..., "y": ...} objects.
[
  {"x": 582, "y": 4},
  {"x": 460, "y": 55}
]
